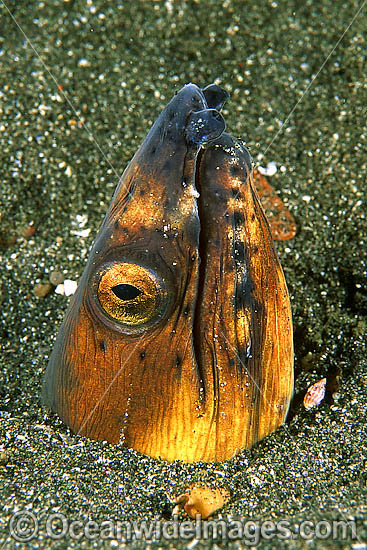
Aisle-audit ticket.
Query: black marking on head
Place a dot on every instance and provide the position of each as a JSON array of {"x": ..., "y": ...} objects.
[
  {"x": 236, "y": 194},
  {"x": 142, "y": 192},
  {"x": 153, "y": 150},
  {"x": 142, "y": 355},
  {"x": 229, "y": 265},
  {"x": 221, "y": 316},
  {"x": 253, "y": 217},
  {"x": 243, "y": 297},
  {"x": 239, "y": 253},
  {"x": 163, "y": 233},
  {"x": 255, "y": 249},
  {"x": 238, "y": 219},
  {"x": 235, "y": 170},
  {"x": 103, "y": 345},
  {"x": 186, "y": 311},
  {"x": 178, "y": 367}
]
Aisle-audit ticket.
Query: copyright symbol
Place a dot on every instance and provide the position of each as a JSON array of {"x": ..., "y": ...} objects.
[{"x": 23, "y": 526}]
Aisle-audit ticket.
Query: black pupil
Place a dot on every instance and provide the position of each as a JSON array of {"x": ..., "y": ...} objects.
[{"x": 126, "y": 292}]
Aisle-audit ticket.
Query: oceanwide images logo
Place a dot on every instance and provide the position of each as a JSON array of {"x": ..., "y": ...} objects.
[{"x": 24, "y": 526}]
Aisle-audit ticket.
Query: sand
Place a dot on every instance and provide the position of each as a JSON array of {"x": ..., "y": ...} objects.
[{"x": 78, "y": 93}]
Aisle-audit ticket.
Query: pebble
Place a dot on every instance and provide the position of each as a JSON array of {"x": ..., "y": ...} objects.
[
  {"x": 4, "y": 458},
  {"x": 41, "y": 290},
  {"x": 56, "y": 278}
]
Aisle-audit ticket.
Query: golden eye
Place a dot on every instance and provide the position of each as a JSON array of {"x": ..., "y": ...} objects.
[{"x": 130, "y": 293}]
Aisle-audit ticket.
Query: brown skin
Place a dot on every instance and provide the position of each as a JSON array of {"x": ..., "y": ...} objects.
[{"x": 192, "y": 359}]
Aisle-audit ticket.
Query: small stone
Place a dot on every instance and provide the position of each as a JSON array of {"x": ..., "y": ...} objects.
[
  {"x": 4, "y": 457},
  {"x": 41, "y": 290},
  {"x": 56, "y": 278},
  {"x": 7, "y": 239},
  {"x": 27, "y": 231}
]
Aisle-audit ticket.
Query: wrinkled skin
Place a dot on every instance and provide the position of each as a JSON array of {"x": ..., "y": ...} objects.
[{"x": 178, "y": 341}]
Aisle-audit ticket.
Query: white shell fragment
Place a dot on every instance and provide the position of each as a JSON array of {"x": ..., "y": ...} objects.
[
  {"x": 67, "y": 288},
  {"x": 315, "y": 394},
  {"x": 270, "y": 169}
]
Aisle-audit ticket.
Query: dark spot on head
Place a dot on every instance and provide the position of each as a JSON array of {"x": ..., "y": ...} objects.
[
  {"x": 186, "y": 311},
  {"x": 238, "y": 219},
  {"x": 253, "y": 217},
  {"x": 236, "y": 194},
  {"x": 235, "y": 170},
  {"x": 142, "y": 355},
  {"x": 243, "y": 297},
  {"x": 153, "y": 150},
  {"x": 239, "y": 253},
  {"x": 163, "y": 233},
  {"x": 229, "y": 265},
  {"x": 142, "y": 192},
  {"x": 221, "y": 316},
  {"x": 255, "y": 249},
  {"x": 178, "y": 367},
  {"x": 103, "y": 345}
]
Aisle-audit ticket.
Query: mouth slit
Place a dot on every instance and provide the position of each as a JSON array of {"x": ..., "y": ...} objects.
[{"x": 203, "y": 260}]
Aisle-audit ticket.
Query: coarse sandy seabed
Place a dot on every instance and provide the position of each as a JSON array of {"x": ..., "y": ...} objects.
[{"x": 118, "y": 63}]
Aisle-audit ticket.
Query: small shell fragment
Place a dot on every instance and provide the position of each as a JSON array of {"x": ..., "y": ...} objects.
[
  {"x": 282, "y": 224},
  {"x": 67, "y": 288},
  {"x": 315, "y": 394},
  {"x": 269, "y": 170},
  {"x": 201, "y": 500}
]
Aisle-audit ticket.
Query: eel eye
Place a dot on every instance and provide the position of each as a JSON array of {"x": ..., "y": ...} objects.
[{"x": 131, "y": 293}]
